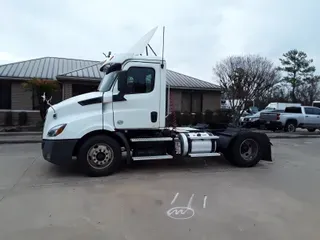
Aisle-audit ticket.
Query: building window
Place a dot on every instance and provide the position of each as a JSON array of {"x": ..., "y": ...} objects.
[
  {"x": 191, "y": 102},
  {"x": 196, "y": 102},
  {"x": 78, "y": 89},
  {"x": 140, "y": 80},
  {"x": 5, "y": 95},
  {"x": 56, "y": 97},
  {"x": 186, "y": 102}
]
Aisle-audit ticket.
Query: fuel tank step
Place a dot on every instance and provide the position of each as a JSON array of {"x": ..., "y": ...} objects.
[
  {"x": 157, "y": 139},
  {"x": 141, "y": 158},
  {"x": 204, "y": 154}
]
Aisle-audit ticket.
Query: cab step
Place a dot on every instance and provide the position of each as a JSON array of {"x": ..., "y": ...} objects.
[
  {"x": 156, "y": 139},
  {"x": 142, "y": 158},
  {"x": 204, "y": 154}
]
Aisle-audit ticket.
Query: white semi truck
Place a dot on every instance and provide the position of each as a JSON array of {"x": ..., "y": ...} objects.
[{"x": 124, "y": 121}]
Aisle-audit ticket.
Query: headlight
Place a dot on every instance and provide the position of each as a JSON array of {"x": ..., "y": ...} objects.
[{"x": 56, "y": 130}]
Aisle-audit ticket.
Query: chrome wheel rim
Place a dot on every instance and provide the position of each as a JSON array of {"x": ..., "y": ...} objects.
[
  {"x": 249, "y": 149},
  {"x": 100, "y": 156}
]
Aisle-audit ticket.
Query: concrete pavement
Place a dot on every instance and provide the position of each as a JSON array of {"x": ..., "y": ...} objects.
[{"x": 278, "y": 200}]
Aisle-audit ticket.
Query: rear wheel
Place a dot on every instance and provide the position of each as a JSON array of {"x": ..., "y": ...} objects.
[
  {"x": 311, "y": 129},
  {"x": 100, "y": 156},
  {"x": 290, "y": 126},
  {"x": 245, "y": 151}
]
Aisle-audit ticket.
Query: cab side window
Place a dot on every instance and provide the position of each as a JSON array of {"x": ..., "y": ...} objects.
[
  {"x": 140, "y": 80},
  {"x": 316, "y": 111},
  {"x": 308, "y": 110}
]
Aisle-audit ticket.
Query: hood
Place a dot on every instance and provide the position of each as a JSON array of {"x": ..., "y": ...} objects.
[
  {"x": 76, "y": 99},
  {"x": 69, "y": 109},
  {"x": 71, "y": 106}
]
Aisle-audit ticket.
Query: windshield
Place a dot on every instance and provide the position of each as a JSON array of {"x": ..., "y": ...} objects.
[{"x": 107, "y": 81}]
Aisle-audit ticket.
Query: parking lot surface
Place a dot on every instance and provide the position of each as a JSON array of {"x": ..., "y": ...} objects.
[{"x": 160, "y": 200}]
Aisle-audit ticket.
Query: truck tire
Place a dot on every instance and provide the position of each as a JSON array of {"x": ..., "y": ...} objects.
[
  {"x": 311, "y": 129},
  {"x": 245, "y": 151},
  {"x": 100, "y": 156},
  {"x": 290, "y": 126}
]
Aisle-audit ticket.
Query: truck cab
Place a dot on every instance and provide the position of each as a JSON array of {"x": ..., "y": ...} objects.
[
  {"x": 139, "y": 90},
  {"x": 130, "y": 96}
]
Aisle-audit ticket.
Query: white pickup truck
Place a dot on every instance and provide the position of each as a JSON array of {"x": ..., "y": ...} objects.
[{"x": 293, "y": 117}]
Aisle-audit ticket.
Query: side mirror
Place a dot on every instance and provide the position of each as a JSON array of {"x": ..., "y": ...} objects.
[{"x": 122, "y": 82}]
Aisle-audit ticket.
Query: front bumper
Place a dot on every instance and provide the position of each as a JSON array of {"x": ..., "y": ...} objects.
[{"x": 58, "y": 152}]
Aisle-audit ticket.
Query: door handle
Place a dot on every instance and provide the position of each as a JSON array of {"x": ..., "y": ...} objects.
[
  {"x": 307, "y": 116},
  {"x": 154, "y": 116}
]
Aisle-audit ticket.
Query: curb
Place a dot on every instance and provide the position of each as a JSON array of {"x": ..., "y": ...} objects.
[
  {"x": 4, "y": 134},
  {"x": 19, "y": 141}
]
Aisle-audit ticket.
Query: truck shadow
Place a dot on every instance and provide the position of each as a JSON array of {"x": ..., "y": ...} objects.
[
  {"x": 157, "y": 167},
  {"x": 176, "y": 165}
]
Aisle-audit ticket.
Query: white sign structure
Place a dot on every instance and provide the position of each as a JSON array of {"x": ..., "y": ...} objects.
[{"x": 183, "y": 212}]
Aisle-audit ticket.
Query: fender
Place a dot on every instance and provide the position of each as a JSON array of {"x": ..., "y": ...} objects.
[{"x": 93, "y": 128}]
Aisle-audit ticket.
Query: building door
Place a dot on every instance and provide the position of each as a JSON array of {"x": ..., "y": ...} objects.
[{"x": 5, "y": 95}]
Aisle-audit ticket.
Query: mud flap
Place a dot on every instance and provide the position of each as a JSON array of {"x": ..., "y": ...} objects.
[{"x": 267, "y": 152}]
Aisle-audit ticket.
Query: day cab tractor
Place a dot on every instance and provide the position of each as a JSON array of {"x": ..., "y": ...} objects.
[{"x": 125, "y": 121}]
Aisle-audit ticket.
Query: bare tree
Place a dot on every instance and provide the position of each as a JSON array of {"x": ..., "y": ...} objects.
[{"x": 245, "y": 78}]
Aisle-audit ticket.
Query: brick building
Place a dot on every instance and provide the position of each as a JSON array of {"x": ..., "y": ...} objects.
[{"x": 77, "y": 76}]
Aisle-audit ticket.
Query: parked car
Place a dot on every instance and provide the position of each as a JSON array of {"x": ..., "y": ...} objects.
[
  {"x": 253, "y": 121},
  {"x": 316, "y": 104},
  {"x": 293, "y": 117}
]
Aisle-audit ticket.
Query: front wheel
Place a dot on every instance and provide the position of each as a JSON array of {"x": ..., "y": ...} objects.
[
  {"x": 100, "y": 156},
  {"x": 245, "y": 151}
]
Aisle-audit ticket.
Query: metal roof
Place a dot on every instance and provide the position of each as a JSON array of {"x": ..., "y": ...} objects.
[
  {"x": 66, "y": 68},
  {"x": 46, "y": 67},
  {"x": 90, "y": 72}
]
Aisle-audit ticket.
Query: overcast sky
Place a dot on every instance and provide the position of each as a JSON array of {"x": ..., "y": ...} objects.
[{"x": 198, "y": 33}]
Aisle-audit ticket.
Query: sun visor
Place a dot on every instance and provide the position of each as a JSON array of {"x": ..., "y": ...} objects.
[
  {"x": 141, "y": 45},
  {"x": 136, "y": 49}
]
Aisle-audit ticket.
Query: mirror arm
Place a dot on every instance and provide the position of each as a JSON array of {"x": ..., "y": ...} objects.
[{"x": 119, "y": 97}]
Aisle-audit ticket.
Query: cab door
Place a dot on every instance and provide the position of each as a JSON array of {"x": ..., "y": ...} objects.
[
  {"x": 139, "y": 107},
  {"x": 311, "y": 117},
  {"x": 316, "y": 113}
]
